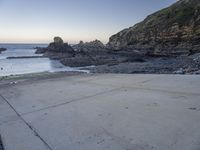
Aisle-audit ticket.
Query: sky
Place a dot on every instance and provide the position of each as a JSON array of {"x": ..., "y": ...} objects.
[{"x": 38, "y": 21}]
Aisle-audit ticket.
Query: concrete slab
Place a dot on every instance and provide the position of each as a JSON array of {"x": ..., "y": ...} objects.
[
  {"x": 104, "y": 111},
  {"x": 32, "y": 97},
  {"x": 122, "y": 119},
  {"x": 173, "y": 83},
  {"x": 121, "y": 80},
  {"x": 15, "y": 134},
  {"x": 6, "y": 113}
]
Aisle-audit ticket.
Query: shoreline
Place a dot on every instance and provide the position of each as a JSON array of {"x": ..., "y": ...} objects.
[{"x": 14, "y": 79}]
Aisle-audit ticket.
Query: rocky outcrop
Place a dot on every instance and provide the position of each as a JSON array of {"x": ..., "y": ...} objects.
[
  {"x": 57, "y": 49},
  {"x": 85, "y": 54},
  {"x": 58, "y": 40},
  {"x": 40, "y": 50},
  {"x": 172, "y": 31},
  {"x": 58, "y": 46},
  {"x": 2, "y": 49},
  {"x": 93, "y": 46}
]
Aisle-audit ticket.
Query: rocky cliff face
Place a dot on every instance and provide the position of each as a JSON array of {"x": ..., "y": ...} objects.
[{"x": 171, "y": 31}]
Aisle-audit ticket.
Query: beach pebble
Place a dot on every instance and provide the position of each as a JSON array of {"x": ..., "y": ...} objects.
[{"x": 14, "y": 82}]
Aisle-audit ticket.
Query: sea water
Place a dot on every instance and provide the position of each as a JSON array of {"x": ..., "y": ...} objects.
[{"x": 27, "y": 65}]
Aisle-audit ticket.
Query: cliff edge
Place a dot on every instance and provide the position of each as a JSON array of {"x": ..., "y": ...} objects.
[{"x": 171, "y": 31}]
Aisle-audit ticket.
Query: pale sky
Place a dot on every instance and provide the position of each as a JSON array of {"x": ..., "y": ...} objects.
[{"x": 38, "y": 21}]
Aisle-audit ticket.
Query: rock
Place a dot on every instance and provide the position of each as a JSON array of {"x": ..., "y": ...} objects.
[
  {"x": 58, "y": 46},
  {"x": 197, "y": 72},
  {"x": 58, "y": 40},
  {"x": 81, "y": 42},
  {"x": 2, "y": 49},
  {"x": 40, "y": 50},
  {"x": 180, "y": 71},
  {"x": 196, "y": 58},
  {"x": 171, "y": 31},
  {"x": 92, "y": 46},
  {"x": 77, "y": 61},
  {"x": 25, "y": 57}
]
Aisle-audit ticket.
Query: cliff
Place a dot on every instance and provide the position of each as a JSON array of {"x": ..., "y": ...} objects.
[{"x": 171, "y": 31}]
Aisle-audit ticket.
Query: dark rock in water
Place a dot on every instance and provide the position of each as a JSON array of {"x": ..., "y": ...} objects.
[
  {"x": 58, "y": 46},
  {"x": 2, "y": 49},
  {"x": 25, "y": 57},
  {"x": 86, "y": 54},
  {"x": 41, "y": 50},
  {"x": 171, "y": 31}
]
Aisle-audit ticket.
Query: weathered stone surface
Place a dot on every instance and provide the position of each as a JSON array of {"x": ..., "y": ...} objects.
[
  {"x": 172, "y": 31},
  {"x": 92, "y": 46},
  {"x": 101, "y": 112},
  {"x": 58, "y": 40},
  {"x": 58, "y": 46}
]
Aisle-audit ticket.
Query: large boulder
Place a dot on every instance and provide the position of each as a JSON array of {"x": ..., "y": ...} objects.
[{"x": 171, "y": 31}]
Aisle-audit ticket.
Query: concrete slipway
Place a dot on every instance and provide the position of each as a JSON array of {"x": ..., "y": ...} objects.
[{"x": 101, "y": 112}]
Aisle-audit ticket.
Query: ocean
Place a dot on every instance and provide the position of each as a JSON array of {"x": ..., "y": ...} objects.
[{"x": 27, "y": 65}]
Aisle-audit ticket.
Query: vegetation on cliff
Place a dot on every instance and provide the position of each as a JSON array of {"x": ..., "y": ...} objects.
[{"x": 173, "y": 30}]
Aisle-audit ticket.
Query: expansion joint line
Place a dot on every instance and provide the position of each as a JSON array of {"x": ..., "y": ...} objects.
[{"x": 30, "y": 127}]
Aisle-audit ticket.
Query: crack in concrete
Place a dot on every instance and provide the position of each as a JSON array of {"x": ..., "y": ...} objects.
[
  {"x": 73, "y": 100},
  {"x": 29, "y": 126},
  {"x": 99, "y": 84},
  {"x": 164, "y": 91},
  {"x": 147, "y": 80}
]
